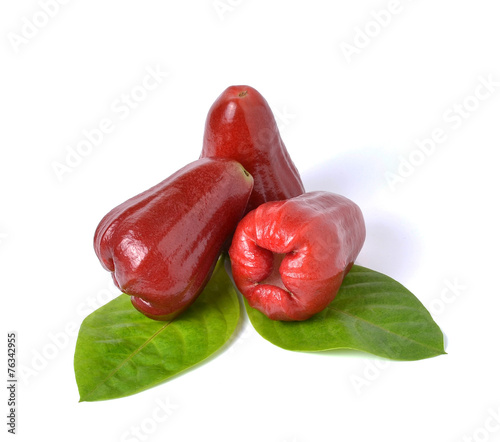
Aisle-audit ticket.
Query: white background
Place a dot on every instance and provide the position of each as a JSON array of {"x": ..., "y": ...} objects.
[{"x": 352, "y": 98}]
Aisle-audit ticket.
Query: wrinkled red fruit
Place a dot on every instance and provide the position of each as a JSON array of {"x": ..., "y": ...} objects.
[{"x": 290, "y": 257}]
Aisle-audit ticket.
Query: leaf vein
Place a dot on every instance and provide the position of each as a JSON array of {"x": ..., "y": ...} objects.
[
  {"x": 129, "y": 358},
  {"x": 381, "y": 328}
]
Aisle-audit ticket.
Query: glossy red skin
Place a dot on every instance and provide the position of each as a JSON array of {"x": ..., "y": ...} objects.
[
  {"x": 162, "y": 245},
  {"x": 240, "y": 125},
  {"x": 290, "y": 257}
]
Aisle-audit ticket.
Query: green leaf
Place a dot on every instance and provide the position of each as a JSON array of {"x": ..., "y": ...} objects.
[
  {"x": 120, "y": 351},
  {"x": 371, "y": 312}
]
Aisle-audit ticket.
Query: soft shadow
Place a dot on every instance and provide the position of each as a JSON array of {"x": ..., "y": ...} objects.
[
  {"x": 391, "y": 244},
  {"x": 356, "y": 174},
  {"x": 342, "y": 353}
]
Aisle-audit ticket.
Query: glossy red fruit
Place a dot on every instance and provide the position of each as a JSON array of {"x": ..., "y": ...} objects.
[
  {"x": 289, "y": 258},
  {"x": 162, "y": 245},
  {"x": 240, "y": 125}
]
